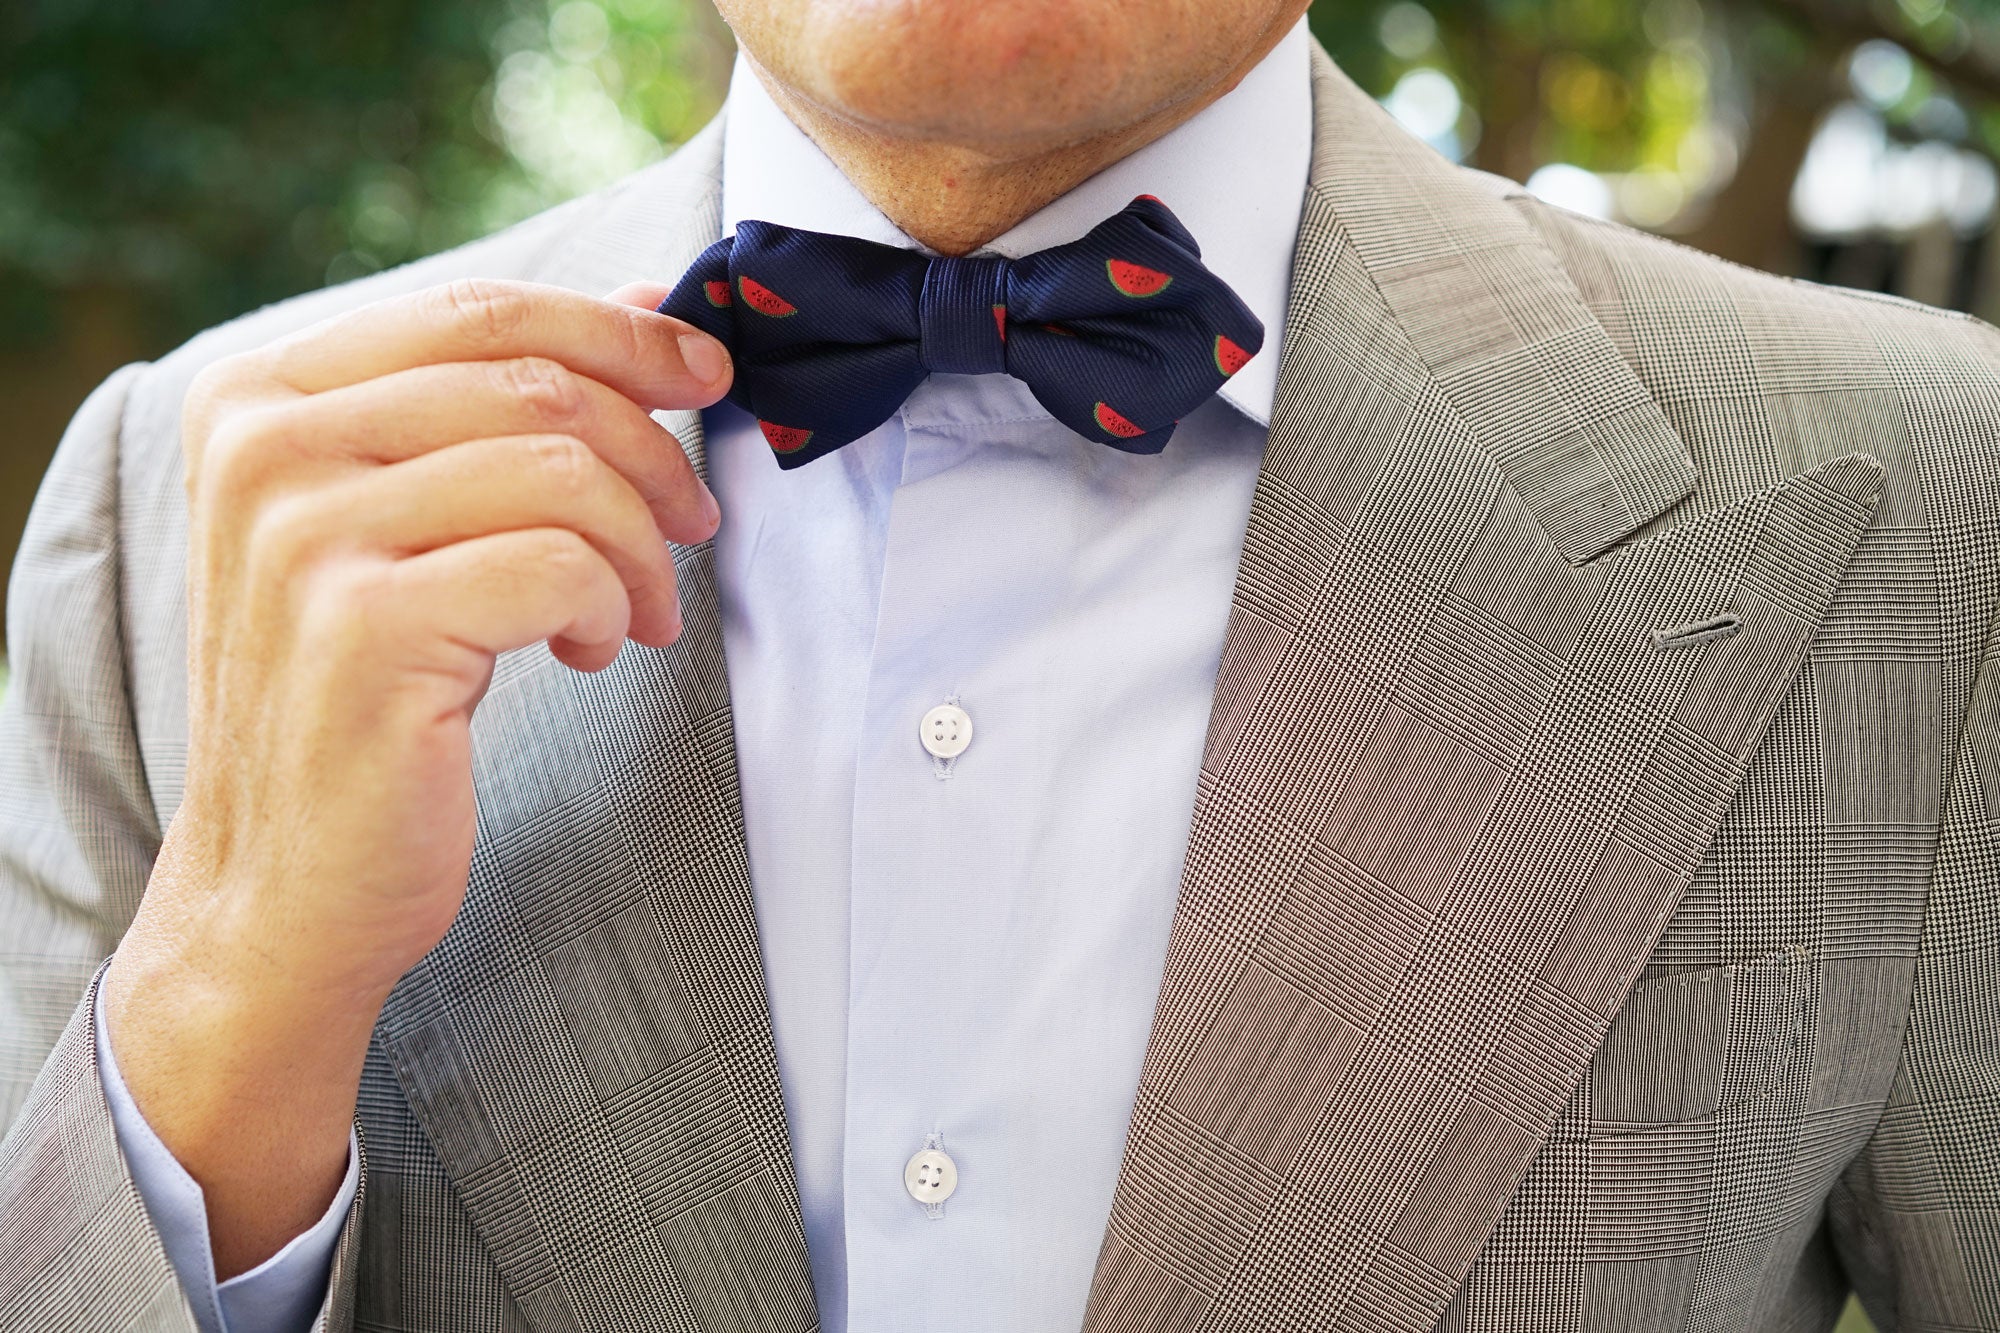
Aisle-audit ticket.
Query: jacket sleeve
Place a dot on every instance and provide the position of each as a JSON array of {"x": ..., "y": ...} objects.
[
  {"x": 77, "y": 839},
  {"x": 1916, "y": 1219}
]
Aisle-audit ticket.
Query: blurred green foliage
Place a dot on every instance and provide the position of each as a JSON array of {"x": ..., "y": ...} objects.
[
  {"x": 211, "y": 155},
  {"x": 1665, "y": 97},
  {"x": 1618, "y": 79}
]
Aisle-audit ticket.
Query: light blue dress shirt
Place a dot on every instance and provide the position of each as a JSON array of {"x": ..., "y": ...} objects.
[{"x": 960, "y": 953}]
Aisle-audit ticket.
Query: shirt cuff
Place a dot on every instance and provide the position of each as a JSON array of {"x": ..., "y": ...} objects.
[{"x": 280, "y": 1295}]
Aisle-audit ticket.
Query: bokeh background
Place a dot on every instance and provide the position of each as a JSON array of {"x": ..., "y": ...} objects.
[{"x": 164, "y": 166}]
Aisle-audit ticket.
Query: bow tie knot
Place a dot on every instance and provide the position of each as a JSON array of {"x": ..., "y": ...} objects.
[
  {"x": 1118, "y": 334},
  {"x": 962, "y": 312}
]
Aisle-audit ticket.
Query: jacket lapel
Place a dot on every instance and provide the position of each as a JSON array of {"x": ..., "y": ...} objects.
[
  {"x": 589, "y": 1049},
  {"x": 1455, "y": 784}
]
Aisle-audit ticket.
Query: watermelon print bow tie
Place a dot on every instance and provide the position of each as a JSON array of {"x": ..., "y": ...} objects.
[{"x": 1118, "y": 335}]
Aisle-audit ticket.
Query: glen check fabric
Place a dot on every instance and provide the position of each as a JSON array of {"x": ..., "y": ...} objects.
[{"x": 1526, "y": 976}]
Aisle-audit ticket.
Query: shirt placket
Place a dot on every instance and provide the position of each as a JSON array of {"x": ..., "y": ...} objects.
[{"x": 934, "y": 852}]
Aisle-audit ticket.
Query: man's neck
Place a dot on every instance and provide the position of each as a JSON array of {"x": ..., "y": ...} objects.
[{"x": 955, "y": 197}]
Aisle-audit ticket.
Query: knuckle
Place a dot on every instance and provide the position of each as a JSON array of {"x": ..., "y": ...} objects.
[
  {"x": 548, "y": 388},
  {"x": 348, "y": 604},
  {"x": 570, "y": 559},
  {"x": 234, "y": 455},
  {"x": 207, "y": 403},
  {"x": 489, "y": 312},
  {"x": 210, "y": 387},
  {"x": 564, "y": 464},
  {"x": 629, "y": 344},
  {"x": 283, "y": 534}
]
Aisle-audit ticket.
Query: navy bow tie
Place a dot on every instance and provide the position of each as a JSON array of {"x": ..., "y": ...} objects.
[{"x": 1118, "y": 335}]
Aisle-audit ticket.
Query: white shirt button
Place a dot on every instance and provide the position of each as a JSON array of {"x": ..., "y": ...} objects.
[
  {"x": 930, "y": 1176},
  {"x": 946, "y": 731}
]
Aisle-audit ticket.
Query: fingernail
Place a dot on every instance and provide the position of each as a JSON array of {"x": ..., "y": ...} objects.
[
  {"x": 710, "y": 507},
  {"x": 703, "y": 356}
]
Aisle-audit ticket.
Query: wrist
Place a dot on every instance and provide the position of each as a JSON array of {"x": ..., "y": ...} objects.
[
  {"x": 204, "y": 972},
  {"x": 248, "y": 1081},
  {"x": 205, "y": 927},
  {"x": 201, "y": 1047}
]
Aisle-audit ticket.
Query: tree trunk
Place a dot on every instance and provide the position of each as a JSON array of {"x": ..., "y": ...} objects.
[
  {"x": 1508, "y": 97},
  {"x": 1749, "y": 220}
]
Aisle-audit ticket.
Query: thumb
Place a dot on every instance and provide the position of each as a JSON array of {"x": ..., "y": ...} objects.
[
  {"x": 646, "y": 295},
  {"x": 705, "y": 356}
]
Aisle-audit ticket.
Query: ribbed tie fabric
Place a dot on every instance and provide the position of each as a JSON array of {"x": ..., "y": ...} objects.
[{"x": 1119, "y": 335}]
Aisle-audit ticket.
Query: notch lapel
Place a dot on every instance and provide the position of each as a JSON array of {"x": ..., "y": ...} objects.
[
  {"x": 1453, "y": 789},
  {"x": 589, "y": 1049}
]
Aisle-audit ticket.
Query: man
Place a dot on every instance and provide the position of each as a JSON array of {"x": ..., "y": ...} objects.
[{"x": 1493, "y": 827}]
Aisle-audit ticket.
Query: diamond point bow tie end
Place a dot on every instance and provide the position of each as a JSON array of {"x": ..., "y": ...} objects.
[{"x": 1118, "y": 334}]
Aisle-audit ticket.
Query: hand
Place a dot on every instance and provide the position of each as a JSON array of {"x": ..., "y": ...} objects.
[{"x": 378, "y": 507}]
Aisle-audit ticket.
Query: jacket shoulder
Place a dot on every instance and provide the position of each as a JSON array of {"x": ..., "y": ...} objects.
[
  {"x": 1695, "y": 324},
  {"x": 1745, "y": 361}
]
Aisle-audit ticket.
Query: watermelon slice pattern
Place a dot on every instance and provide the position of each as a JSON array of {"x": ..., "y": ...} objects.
[
  {"x": 1130, "y": 279},
  {"x": 718, "y": 295},
  {"x": 1229, "y": 358},
  {"x": 762, "y": 299},
  {"x": 785, "y": 439},
  {"x": 1111, "y": 423}
]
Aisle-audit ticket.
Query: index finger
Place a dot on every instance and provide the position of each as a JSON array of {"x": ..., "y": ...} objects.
[{"x": 654, "y": 360}]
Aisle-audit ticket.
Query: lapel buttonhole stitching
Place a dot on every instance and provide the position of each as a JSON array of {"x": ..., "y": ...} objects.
[{"x": 1697, "y": 631}]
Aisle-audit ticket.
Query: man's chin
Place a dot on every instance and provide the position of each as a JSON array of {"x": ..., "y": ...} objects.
[{"x": 1008, "y": 78}]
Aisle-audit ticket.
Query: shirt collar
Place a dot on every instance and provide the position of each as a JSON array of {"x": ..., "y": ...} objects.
[{"x": 1235, "y": 175}]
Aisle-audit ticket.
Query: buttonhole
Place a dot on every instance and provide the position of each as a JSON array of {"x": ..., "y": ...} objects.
[{"x": 1697, "y": 631}]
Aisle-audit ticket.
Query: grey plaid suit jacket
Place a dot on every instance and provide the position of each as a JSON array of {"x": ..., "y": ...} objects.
[{"x": 1541, "y": 963}]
